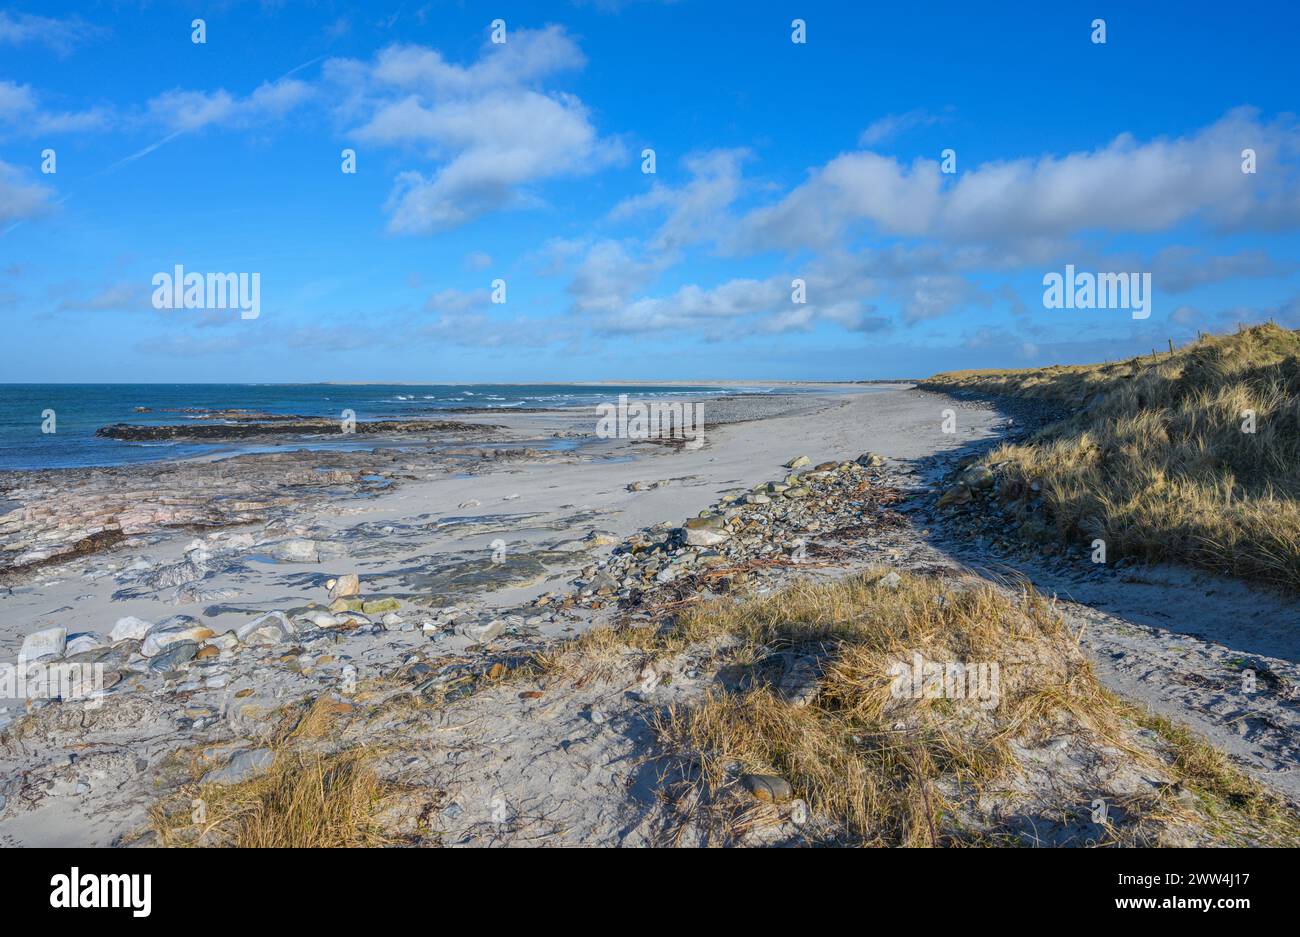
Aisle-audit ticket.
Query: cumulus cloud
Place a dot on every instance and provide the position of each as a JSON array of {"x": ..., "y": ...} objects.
[
  {"x": 1125, "y": 186},
  {"x": 489, "y": 128}
]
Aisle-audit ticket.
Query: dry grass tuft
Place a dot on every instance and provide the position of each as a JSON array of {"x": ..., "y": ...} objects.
[
  {"x": 1155, "y": 460},
  {"x": 884, "y": 769},
  {"x": 308, "y": 799}
]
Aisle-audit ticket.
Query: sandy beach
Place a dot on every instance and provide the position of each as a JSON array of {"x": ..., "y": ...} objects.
[{"x": 477, "y": 553}]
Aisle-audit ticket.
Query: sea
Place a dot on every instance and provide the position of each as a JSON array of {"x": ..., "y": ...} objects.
[{"x": 75, "y": 411}]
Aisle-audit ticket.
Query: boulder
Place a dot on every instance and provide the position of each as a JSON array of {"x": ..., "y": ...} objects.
[
  {"x": 271, "y": 628},
  {"x": 130, "y": 628},
  {"x": 44, "y": 645},
  {"x": 172, "y": 630}
]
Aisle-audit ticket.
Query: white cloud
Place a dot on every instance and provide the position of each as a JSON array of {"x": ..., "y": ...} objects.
[
  {"x": 182, "y": 111},
  {"x": 892, "y": 125},
  {"x": 1125, "y": 186},
  {"x": 696, "y": 211},
  {"x": 21, "y": 114},
  {"x": 60, "y": 36},
  {"x": 488, "y": 127},
  {"x": 19, "y": 198}
]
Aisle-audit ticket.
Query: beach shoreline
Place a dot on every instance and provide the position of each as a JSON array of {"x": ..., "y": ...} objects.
[{"x": 469, "y": 550}]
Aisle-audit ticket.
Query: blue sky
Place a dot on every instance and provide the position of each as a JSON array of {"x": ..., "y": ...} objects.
[{"x": 521, "y": 161}]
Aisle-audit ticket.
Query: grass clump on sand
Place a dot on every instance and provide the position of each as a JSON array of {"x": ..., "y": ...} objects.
[
  {"x": 879, "y": 766},
  {"x": 310, "y": 798},
  {"x": 1157, "y": 460}
]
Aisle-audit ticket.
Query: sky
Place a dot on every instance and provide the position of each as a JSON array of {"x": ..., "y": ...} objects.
[{"x": 501, "y": 226}]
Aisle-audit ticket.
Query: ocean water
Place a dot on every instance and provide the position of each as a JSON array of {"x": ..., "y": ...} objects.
[{"x": 80, "y": 409}]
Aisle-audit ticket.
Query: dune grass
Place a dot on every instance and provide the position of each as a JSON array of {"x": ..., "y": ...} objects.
[
  {"x": 312, "y": 797},
  {"x": 882, "y": 768},
  {"x": 1191, "y": 456}
]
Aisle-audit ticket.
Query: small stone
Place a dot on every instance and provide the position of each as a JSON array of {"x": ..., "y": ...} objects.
[
  {"x": 798, "y": 462},
  {"x": 768, "y": 787},
  {"x": 345, "y": 585},
  {"x": 481, "y": 632},
  {"x": 870, "y": 459},
  {"x": 797, "y": 492},
  {"x": 379, "y": 606}
]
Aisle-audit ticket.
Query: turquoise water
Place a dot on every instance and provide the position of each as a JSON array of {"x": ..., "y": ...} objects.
[{"x": 80, "y": 409}]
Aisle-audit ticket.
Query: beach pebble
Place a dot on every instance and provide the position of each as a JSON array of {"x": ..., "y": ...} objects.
[
  {"x": 479, "y": 631},
  {"x": 768, "y": 787},
  {"x": 345, "y": 585},
  {"x": 798, "y": 462}
]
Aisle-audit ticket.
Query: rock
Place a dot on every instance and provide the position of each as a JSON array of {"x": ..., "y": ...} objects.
[
  {"x": 80, "y": 643},
  {"x": 471, "y": 503},
  {"x": 296, "y": 551},
  {"x": 44, "y": 645},
  {"x": 130, "y": 628},
  {"x": 768, "y": 787},
  {"x": 347, "y": 605},
  {"x": 798, "y": 462},
  {"x": 379, "y": 606},
  {"x": 799, "y": 683},
  {"x": 175, "y": 654},
  {"x": 243, "y": 766},
  {"x": 890, "y": 580},
  {"x": 869, "y": 459},
  {"x": 271, "y": 628},
  {"x": 799, "y": 491},
  {"x": 172, "y": 630},
  {"x": 826, "y": 467},
  {"x": 703, "y": 537},
  {"x": 957, "y": 494},
  {"x": 345, "y": 585},
  {"x": 706, "y": 531},
  {"x": 978, "y": 477},
  {"x": 481, "y": 632}
]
